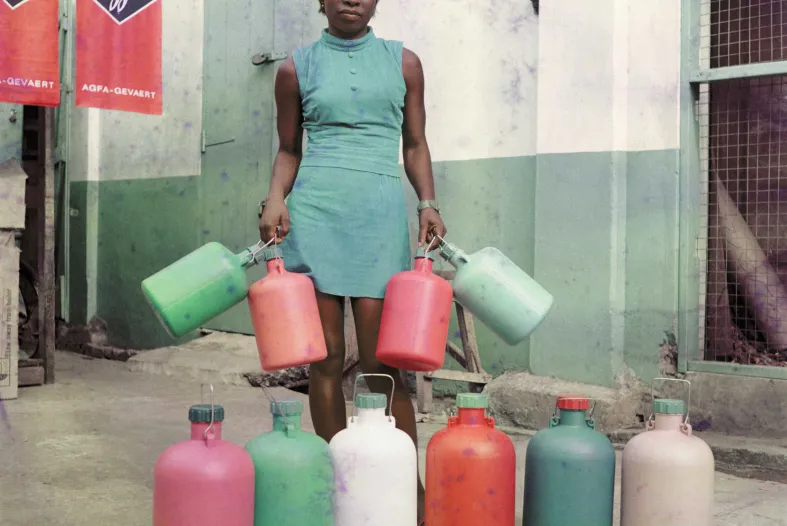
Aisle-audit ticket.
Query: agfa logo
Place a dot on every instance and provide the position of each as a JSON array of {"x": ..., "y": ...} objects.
[
  {"x": 13, "y": 4},
  {"x": 121, "y": 10}
]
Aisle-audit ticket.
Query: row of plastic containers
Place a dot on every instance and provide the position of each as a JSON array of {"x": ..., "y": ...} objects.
[
  {"x": 368, "y": 472},
  {"x": 283, "y": 305}
]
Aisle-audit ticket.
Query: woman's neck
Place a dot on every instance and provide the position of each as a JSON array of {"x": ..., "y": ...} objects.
[{"x": 338, "y": 34}]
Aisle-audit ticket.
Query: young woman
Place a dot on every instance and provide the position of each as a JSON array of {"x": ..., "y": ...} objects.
[{"x": 345, "y": 223}]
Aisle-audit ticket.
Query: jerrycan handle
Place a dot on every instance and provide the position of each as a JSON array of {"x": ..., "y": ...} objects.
[
  {"x": 449, "y": 251},
  {"x": 685, "y": 426},
  {"x": 289, "y": 425},
  {"x": 390, "y": 399},
  {"x": 253, "y": 254},
  {"x": 208, "y": 435},
  {"x": 555, "y": 419}
]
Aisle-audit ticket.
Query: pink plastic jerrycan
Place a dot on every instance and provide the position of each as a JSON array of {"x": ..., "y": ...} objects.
[
  {"x": 286, "y": 320},
  {"x": 416, "y": 314},
  {"x": 204, "y": 481}
]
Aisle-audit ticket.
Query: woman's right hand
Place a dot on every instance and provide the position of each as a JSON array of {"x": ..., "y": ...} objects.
[{"x": 274, "y": 214}]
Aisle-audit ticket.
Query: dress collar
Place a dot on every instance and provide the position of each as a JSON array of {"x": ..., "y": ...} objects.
[{"x": 341, "y": 44}]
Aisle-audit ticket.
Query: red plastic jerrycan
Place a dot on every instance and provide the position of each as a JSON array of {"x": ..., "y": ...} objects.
[
  {"x": 416, "y": 314},
  {"x": 470, "y": 470},
  {"x": 285, "y": 316},
  {"x": 204, "y": 481}
]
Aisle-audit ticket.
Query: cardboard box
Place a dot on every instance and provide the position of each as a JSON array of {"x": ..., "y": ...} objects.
[
  {"x": 9, "y": 316},
  {"x": 13, "y": 181}
]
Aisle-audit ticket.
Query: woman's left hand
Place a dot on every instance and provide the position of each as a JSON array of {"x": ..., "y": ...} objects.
[{"x": 430, "y": 223}]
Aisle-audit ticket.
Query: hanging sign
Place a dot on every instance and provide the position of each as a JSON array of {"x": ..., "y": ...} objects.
[
  {"x": 29, "y": 52},
  {"x": 118, "y": 55}
]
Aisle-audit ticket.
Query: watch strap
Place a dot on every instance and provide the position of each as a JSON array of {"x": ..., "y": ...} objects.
[{"x": 428, "y": 203}]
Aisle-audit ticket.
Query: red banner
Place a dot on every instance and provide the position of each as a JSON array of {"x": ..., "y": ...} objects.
[
  {"x": 29, "y": 72},
  {"x": 118, "y": 54}
]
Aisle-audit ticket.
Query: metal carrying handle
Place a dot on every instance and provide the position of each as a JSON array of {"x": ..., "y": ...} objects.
[
  {"x": 390, "y": 400},
  {"x": 653, "y": 396},
  {"x": 429, "y": 247},
  {"x": 443, "y": 243},
  {"x": 212, "y": 408},
  {"x": 259, "y": 247},
  {"x": 275, "y": 402}
]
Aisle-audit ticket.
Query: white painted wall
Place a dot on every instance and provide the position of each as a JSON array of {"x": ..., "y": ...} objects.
[
  {"x": 608, "y": 76},
  {"x": 479, "y": 61}
]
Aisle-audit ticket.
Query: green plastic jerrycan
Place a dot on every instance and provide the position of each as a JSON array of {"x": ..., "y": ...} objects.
[
  {"x": 200, "y": 286},
  {"x": 294, "y": 472},
  {"x": 497, "y": 292},
  {"x": 569, "y": 470}
]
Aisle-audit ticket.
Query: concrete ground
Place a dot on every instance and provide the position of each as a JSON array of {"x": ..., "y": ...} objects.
[{"x": 81, "y": 452}]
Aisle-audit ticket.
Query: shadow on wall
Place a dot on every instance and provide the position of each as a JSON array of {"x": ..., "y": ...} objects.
[{"x": 535, "y": 5}]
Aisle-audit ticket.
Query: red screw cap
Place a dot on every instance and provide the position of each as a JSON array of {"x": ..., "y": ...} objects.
[{"x": 573, "y": 402}]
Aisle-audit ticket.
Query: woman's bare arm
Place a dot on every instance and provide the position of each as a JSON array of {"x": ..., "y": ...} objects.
[
  {"x": 415, "y": 149},
  {"x": 289, "y": 123}
]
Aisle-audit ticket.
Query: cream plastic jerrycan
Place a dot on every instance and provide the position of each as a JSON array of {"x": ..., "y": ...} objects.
[
  {"x": 497, "y": 292},
  {"x": 668, "y": 473}
]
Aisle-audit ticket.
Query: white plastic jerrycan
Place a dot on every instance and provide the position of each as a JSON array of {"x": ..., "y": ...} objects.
[{"x": 376, "y": 467}]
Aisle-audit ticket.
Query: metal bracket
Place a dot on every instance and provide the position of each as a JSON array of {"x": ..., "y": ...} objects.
[
  {"x": 266, "y": 58},
  {"x": 206, "y": 144}
]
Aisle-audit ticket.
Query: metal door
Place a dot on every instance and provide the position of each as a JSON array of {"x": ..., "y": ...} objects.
[{"x": 238, "y": 130}]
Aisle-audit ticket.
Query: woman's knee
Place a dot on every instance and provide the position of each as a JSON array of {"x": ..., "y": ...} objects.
[
  {"x": 332, "y": 366},
  {"x": 332, "y": 318}
]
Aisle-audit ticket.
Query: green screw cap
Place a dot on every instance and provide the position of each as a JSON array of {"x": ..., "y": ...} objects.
[
  {"x": 287, "y": 407},
  {"x": 665, "y": 406},
  {"x": 272, "y": 252},
  {"x": 371, "y": 401},
  {"x": 472, "y": 401},
  {"x": 200, "y": 414}
]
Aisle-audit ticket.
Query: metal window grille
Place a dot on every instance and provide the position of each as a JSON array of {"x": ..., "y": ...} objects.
[{"x": 743, "y": 180}]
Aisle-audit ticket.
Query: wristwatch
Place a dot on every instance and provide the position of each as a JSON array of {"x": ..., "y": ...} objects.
[
  {"x": 262, "y": 207},
  {"x": 423, "y": 205}
]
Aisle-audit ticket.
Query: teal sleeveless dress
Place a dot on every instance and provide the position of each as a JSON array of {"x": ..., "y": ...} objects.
[{"x": 348, "y": 223}]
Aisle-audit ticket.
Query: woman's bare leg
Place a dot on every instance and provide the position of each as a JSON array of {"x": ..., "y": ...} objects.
[
  {"x": 326, "y": 398},
  {"x": 368, "y": 313}
]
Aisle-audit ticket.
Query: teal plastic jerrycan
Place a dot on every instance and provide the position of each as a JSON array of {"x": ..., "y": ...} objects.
[
  {"x": 569, "y": 470},
  {"x": 200, "y": 286},
  {"x": 294, "y": 472},
  {"x": 497, "y": 292}
]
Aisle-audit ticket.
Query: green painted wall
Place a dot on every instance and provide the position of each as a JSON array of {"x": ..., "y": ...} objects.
[
  {"x": 144, "y": 225},
  {"x": 613, "y": 306}
]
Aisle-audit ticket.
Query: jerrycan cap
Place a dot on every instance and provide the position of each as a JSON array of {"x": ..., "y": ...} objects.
[
  {"x": 200, "y": 414},
  {"x": 573, "y": 402},
  {"x": 272, "y": 252},
  {"x": 666, "y": 406},
  {"x": 422, "y": 253},
  {"x": 371, "y": 401},
  {"x": 287, "y": 407},
  {"x": 472, "y": 401}
]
